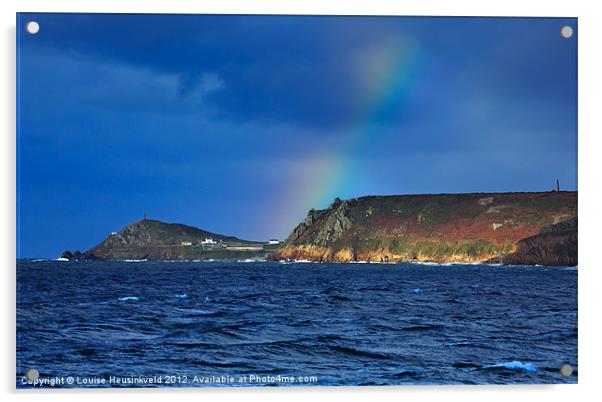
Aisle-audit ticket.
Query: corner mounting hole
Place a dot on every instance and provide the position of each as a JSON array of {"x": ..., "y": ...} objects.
[
  {"x": 566, "y": 370},
  {"x": 566, "y": 31},
  {"x": 32, "y": 374},
  {"x": 32, "y": 27}
]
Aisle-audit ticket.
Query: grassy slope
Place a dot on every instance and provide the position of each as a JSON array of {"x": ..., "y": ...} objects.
[{"x": 158, "y": 240}]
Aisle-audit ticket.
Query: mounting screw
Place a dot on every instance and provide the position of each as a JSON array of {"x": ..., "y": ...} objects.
[
  {"x": 566, "y": 370},
  {"x": 566, "y": 31},
  {"x": 32, "y": 27},
  {"x": 32, "y": 374}
]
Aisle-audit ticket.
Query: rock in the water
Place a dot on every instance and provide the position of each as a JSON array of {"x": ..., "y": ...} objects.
[
  {"x": 67, "y": 254},
  {"x": 78, "y": 256}
]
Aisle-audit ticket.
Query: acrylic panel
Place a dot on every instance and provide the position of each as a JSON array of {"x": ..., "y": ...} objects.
[{"x": 262, "y": 200}]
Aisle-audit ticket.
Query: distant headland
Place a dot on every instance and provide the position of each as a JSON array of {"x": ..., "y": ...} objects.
[
  {"x": 155, "y": 240},
  {"x": 536, "y": 228}
]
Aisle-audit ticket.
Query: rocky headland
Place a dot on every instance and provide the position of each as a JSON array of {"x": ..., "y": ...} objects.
[
  {"x": 156, "y": 240},
  {"x": 510, "y": 228}
]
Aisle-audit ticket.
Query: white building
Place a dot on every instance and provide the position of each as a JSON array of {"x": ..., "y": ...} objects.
[
  {"x": 186, "y": 243},
  {"x": 274, "y": 241},
  {"x": 208, "y": 240}
]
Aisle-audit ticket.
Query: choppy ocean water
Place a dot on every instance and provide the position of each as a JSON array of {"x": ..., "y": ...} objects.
[{"x": 262, "y": 323}]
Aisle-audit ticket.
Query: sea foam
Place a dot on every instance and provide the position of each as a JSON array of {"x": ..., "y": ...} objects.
[
  {"x": 515, "y": 365},
  {"x": 128, "y": 298}
]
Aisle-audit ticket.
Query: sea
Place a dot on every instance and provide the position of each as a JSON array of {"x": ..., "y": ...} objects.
[{"x": 257, "y": 323}]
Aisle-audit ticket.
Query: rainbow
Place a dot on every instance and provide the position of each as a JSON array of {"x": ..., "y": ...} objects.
[{"x": 390, "y": 71}]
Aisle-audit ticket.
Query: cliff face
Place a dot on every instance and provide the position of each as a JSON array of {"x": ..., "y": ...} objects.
[
  {"x": 152, "y": 239},
  {"x": 554, "y": 245},
  {"x": 440, "y": 228},
  {"x": 324, "y": 226}
]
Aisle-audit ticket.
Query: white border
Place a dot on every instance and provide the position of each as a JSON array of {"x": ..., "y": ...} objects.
[{"x": 590, "y": 27}]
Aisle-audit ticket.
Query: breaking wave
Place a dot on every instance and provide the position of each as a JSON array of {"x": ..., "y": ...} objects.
[
  {"x": 129, "y": 298},
  {"x": 514, "y": 365}
]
